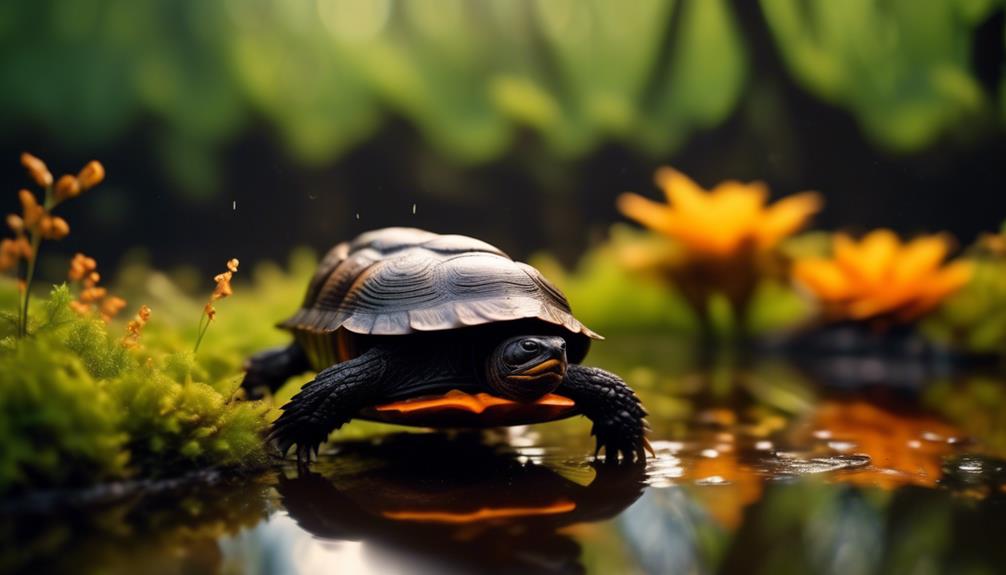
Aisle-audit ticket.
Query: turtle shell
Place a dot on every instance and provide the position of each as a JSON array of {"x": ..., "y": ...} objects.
[{"x": 397, "y": 281}]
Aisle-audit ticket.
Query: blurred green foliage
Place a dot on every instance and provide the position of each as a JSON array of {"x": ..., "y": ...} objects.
[
  {"x": 902, "y": 67},
  {"x": 974, "y": 318},
  {"x": 469, "y": 75}
]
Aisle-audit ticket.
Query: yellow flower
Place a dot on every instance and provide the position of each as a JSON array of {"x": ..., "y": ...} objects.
[
  {"x": 722, "y": 222},
  {"x": 881, "y": 276}
]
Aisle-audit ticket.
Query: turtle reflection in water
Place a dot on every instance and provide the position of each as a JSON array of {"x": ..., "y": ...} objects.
[
  {"x": 458, "y": 501},
  {"x": 410, "y": 327}
]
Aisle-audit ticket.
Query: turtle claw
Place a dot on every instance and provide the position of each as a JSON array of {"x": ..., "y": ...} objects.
[{"x": 619, "y": 449}]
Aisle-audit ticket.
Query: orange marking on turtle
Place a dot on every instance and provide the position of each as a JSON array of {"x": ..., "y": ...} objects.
[{"x": 483, "y": 514}]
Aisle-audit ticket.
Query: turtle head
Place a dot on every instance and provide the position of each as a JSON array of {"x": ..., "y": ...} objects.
[{"x": 526, "y": 367}]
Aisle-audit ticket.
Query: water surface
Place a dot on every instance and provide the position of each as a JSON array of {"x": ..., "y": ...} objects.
[{"x": 758, "y": 468}]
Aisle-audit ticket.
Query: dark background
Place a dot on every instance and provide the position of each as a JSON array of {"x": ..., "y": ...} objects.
[{"x": 526, "y": 199}]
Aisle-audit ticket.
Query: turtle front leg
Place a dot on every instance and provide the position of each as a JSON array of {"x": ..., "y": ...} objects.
[
  {"x": 614, "y": 409},
  {"x": 269, "y": 369},
  {"x": 329, "y": 401}
]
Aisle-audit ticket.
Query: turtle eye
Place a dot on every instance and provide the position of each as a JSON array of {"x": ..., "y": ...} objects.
[{"x": 529, "y": 345}]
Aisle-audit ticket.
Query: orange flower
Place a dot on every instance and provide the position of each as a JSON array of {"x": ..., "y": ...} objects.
[
  {"x": 53, "y": 228},
  {"x": 36, "y": 169},
  {"x": 222, "y": 290},
  {"x": 135, "y": 327},
  {"x": 67, "y": 187},
  {"x": 15, "y": 223},
  {"x": 9, "y": 254},
  {"x": 881, "y": 276},
  {"x": 223, "y": 280},
  {"x": 111, "y": 306},
  {"x": 33, "y": 212},
  {"x": 91, "y": 175},
  {"x": 81, "y": 266},
  {"x": 721, "y": 222}
]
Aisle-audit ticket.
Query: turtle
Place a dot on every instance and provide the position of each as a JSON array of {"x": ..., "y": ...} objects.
[{"x": 411, "y": 327}]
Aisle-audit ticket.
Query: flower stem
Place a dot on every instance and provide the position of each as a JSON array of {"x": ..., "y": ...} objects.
[
  {"x": 204, "y": 325},
  {"x": 36, "y": 241}
]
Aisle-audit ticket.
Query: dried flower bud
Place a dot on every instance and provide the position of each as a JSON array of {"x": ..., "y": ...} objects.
[
  {"x": 111, "y": 306},
  {"x": 67, "y": 187},
  {"x": 92, "y": 294},
  {"x": 232, "y": 265},
  {"x": 36, "y": 169},
  {"x": 93, "y": 278},
  {"x": 210, "y": 311},
  {"x": 23, "y": 247},
  {"x": 15, "y": 223},
  {"x": 135, "y": 327},
  {"x": 54, "y": 228},
  {"x": 32, "y": 212},
  {"x": 80, "y": 308},
  {"x": 8, "y": 254},
  {"x": 91, "y": 175}
]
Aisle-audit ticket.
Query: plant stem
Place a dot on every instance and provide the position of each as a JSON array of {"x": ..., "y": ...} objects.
[
  {"x": 204, "y": 325},
  {"x": 36, "y": 241}
]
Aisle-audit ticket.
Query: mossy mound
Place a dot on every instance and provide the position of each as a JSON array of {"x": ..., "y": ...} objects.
[{"x": 78, "y": 407}]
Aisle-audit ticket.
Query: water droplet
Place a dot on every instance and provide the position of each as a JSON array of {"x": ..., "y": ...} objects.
[
  {"x": 763, "y": 445},
  {"x": 822, "y": 434},
  {"x": 842, "y": 445},
  {"x": 712, "y": 480},
  {"x": 710, "y": 453}
]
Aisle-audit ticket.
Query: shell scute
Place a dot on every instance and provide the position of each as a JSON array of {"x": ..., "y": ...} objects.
[{"x": 401, "y": 280}]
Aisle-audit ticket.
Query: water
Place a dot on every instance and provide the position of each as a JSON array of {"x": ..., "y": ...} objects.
[{"x": 757, "y": 469}]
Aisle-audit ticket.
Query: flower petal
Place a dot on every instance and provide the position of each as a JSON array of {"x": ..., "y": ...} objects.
[
  {"x": 920, "y": 257},
  {"x": 944, "y": 284},
  {"x": 651, "y": 214},
  {"x": 786, "y": 216},
  {"x": 823, "y": 277},
  {"x": 869, "y": 261},
  {"x": 682, "y": 192}
]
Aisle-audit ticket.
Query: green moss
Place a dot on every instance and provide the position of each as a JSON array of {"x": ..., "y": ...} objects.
[
  {"x": 58, "y": 425},
  {"x": 77, "y": 407}
]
